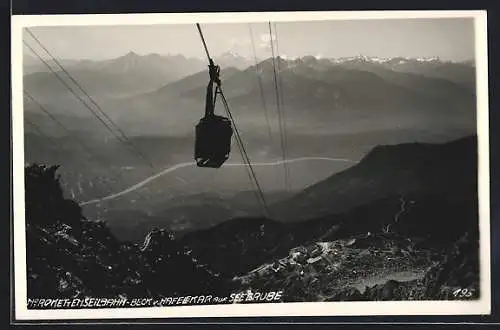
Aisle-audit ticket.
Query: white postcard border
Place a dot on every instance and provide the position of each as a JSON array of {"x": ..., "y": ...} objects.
[{"x": 481, "y": 306}]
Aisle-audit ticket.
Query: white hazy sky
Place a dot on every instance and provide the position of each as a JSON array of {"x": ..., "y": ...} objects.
[{"x": 448, "y": 38}]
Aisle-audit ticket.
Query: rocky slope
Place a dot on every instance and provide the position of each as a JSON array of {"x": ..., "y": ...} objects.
[
  {"x": 418, "y": 245},
  {"x": 346, "y": 272},
  {"x": 70, "y": 256}
]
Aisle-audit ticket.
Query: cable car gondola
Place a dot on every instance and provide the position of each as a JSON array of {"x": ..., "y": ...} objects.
[{"x": 213, "y": 132}]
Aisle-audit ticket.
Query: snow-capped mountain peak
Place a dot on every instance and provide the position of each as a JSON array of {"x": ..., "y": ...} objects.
[
  {"x": 232, "y": 55},
  {"x": 382, "y": 60},
  {"x": 428, "y": 59},
  {"x": 234, "y": 59}
]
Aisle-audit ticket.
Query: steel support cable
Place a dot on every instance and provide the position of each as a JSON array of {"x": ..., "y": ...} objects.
[
  {"x": 239, "y": 141},
  {"x": 124, "y": 139},
  {"x": 259, "y": 80},
  {"x": 203, "y": 41},
  {"x": 283, "y": 112},
  {"x": 63, "y": 127},
  {"x": 77, "y": 96},
  {"x": 262, "y": 94},
  {"x": 129, "y": 145},
  {"x": 245, "y": 154},
  {"x": 39, "y": 131},
  {"x": 278, "y": 106},
  {"x": 49, "y": 139}
]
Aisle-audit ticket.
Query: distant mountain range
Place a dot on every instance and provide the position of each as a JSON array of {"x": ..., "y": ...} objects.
[
  {"x": 462, "y": 73},
  {"x": 157, "y": 96},
  {"x": 134, "y": 74},
  {"x": 318, "y": 96},
  {"x": 125, "y": 75},
  {"x": 334, "y": 108}
]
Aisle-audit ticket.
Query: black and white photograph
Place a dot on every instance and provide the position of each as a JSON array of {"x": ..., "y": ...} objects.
[{"x": 266, "y": 164}]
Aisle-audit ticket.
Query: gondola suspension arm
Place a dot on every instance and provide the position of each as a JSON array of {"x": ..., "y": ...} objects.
[{"x": 214, "y": 76}]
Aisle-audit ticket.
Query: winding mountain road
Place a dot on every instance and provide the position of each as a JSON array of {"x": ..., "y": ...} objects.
[{"x": 189, "y": 164}]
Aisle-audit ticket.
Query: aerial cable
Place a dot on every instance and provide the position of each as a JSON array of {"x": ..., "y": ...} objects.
[
  {"x": 61, "y": 125},
  {"x": 77, "y": 96},
  {"x": 258, "y": 66},
  {"x": 64, "y": 128},
  {"x": 244, "y": 154},
  {"x": 124, "y": 139},
  {"x": 239, "y": 141},
  {"x": 278, "y": 106},
  {"x": 259, "y": 80},
  {"x": 51, "y": 140},
  {"x": 246, "y": 158},
  {"x": 204, "y": 43},
  {"x": 39, "y": 131},
  {"x": 283, "y": 112}
]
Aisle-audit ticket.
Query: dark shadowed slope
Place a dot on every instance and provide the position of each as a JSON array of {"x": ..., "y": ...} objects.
[
  {"x": 424, "y": 192},
  {"x": 397, "y": 170},
  {"x": 69, "y": 256},
  {"x": 425, "y": 199}
]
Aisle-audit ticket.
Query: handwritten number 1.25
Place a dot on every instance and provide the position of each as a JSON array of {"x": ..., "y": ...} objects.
[{"x": 462, "y": 293}]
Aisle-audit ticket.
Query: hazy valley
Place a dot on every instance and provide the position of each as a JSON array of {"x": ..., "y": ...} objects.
[
  {"x": 365, "y": 167},
  {"x": 337, "y": 109}
]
